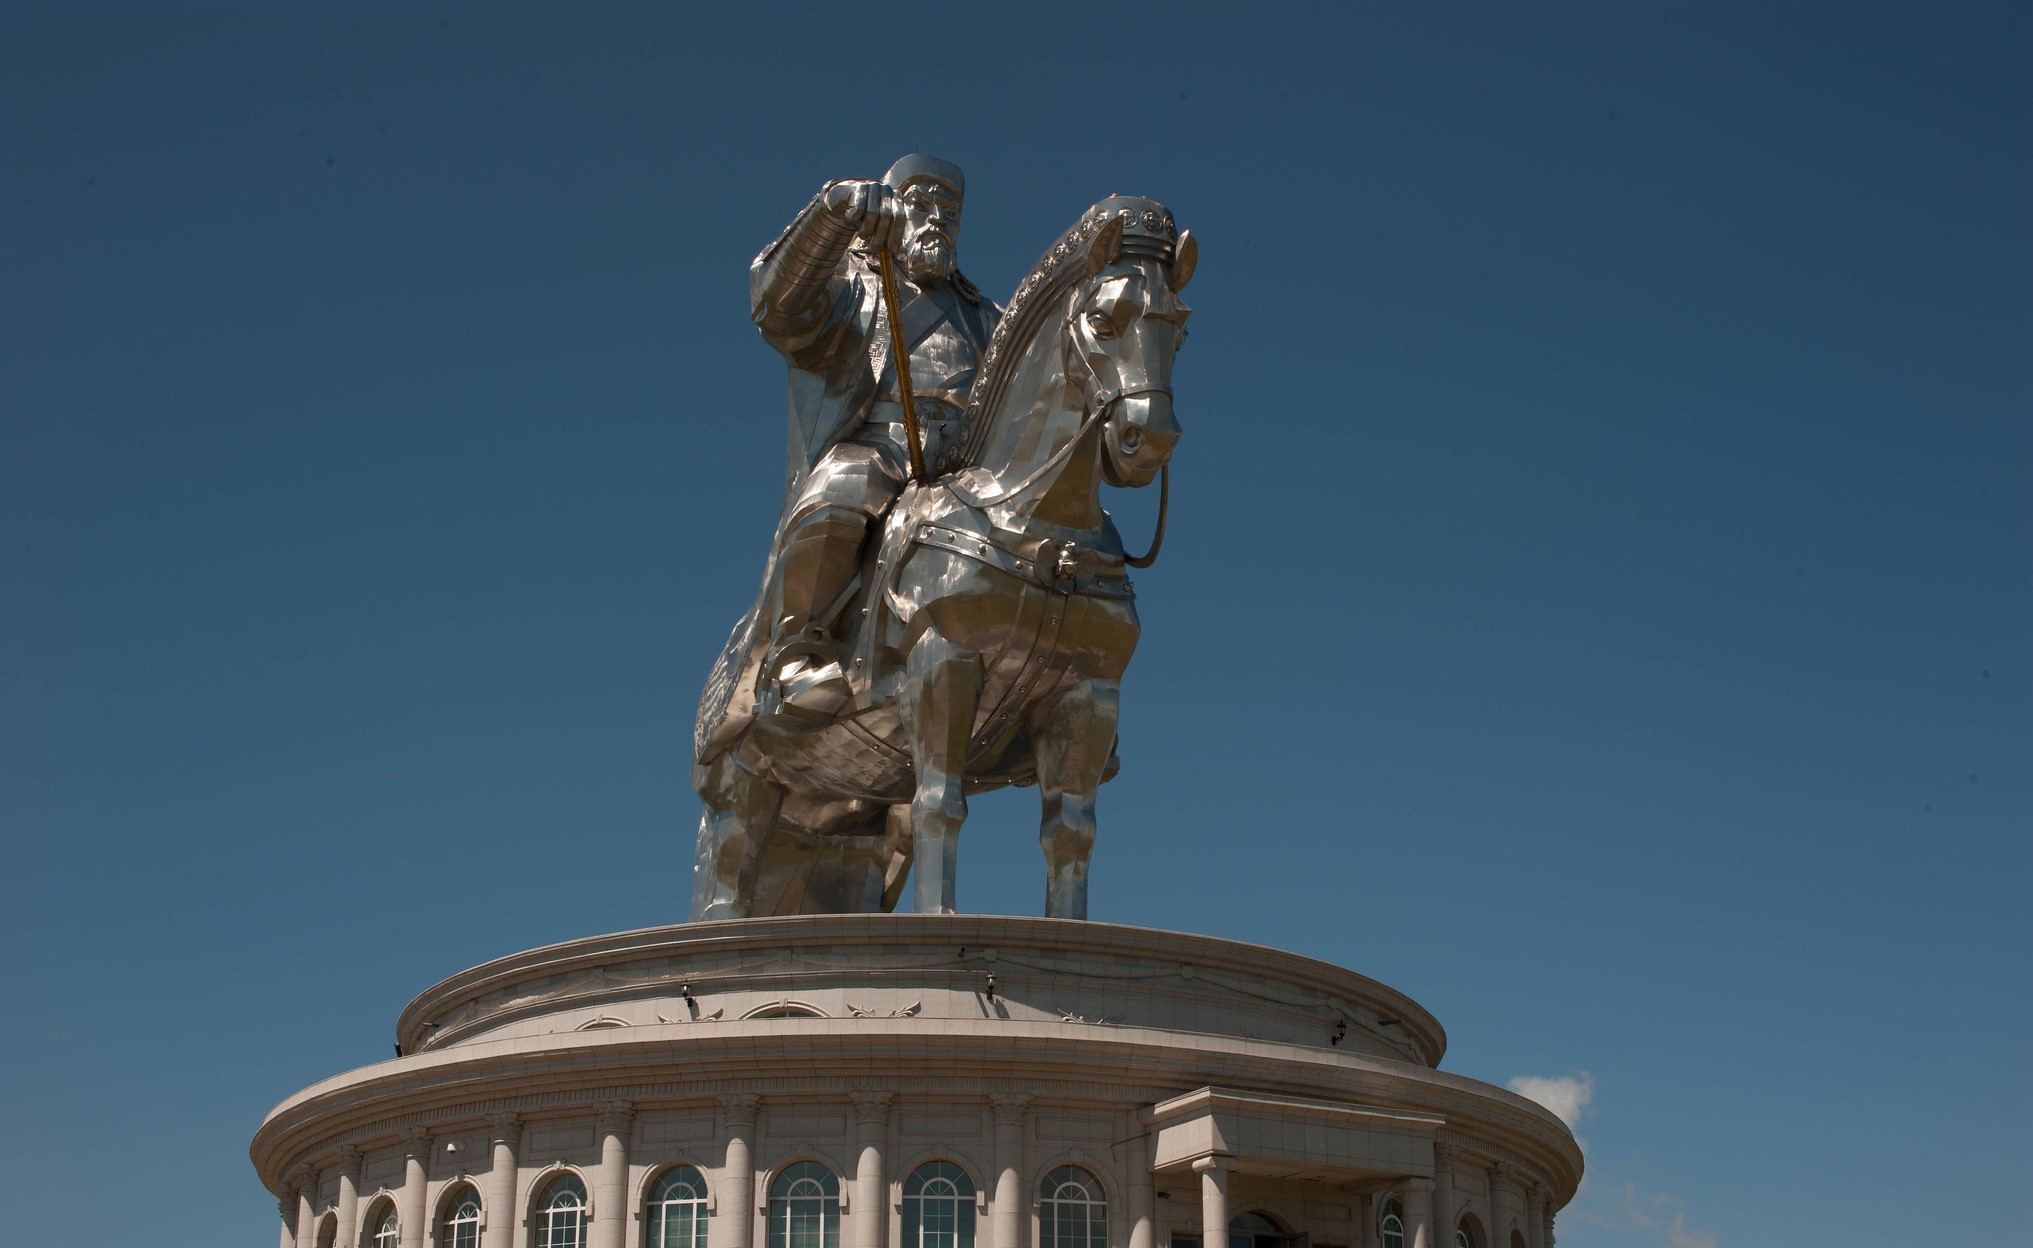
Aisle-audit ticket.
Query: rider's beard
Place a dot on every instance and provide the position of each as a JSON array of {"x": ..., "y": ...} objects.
[{"x": 928, "y": 256}]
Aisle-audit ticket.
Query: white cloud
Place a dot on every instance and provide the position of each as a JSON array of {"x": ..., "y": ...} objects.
[
  {"x": 1566, "y": 1095},
  {"x": 1649, "y": 1215},
  {"x": 1663, "y": 1218}
]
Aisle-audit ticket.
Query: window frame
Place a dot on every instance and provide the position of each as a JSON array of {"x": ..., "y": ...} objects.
[
  {"x": 964, "y": 1202},
  {"x": 656, "y": 1208},
  {"x": 1095, "y": 1232},
  {"x": 788, "y": 1177},
  {"x": 450, "y": 1206},
  {"x": 384, "y": 1226},
  {"x": 544, "y": 1226}
]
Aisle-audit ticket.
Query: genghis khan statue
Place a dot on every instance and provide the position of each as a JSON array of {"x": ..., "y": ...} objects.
[{"x": 816, "y": 295}]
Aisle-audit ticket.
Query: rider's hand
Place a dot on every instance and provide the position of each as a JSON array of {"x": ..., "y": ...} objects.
[{"x": 870, "y": 207}]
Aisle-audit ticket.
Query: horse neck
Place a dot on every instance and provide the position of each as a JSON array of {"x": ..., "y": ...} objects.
[{"x": 1042, "y": 409}]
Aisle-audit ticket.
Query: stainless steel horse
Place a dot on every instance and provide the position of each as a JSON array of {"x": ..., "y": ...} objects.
[{"x": 995, "y": 618}]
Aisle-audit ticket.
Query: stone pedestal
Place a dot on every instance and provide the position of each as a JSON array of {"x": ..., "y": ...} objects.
[{"x": 1182, "y": 1080}]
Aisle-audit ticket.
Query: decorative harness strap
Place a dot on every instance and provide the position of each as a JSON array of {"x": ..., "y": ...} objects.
[{"x": 1061, "y": 567}]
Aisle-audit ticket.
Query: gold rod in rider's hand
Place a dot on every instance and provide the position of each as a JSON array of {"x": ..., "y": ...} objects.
[{"x": 900, "y": 351}]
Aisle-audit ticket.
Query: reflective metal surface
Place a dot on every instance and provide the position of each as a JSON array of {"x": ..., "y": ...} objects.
[{"x": 915, "y": 642}]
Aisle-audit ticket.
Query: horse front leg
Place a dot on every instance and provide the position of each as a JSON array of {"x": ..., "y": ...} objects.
[
  {"x": 732, "y": 833},
  {"x": 943, "y": 685},
  {"x": 1073, "y": 737}
]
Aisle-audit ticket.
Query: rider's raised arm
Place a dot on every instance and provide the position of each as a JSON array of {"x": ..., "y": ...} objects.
[{"x": 794, "y": 294}]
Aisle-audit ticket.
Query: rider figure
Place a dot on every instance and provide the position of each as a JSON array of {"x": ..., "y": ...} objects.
[{"x": 817, "y": 298}]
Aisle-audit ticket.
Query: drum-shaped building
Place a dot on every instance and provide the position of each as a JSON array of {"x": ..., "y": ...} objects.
[{"x": 913, "y": 1081}]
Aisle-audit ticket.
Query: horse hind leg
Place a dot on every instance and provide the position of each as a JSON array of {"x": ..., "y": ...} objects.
[
  {"x": 1073, "y": 738},
  {"x": 942, "y": 688}
]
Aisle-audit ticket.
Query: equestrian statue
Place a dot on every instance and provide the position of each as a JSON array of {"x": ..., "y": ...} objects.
[{"x": 947, "y": 607}]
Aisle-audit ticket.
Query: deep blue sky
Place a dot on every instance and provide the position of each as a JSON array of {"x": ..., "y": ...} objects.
[{"x": 1597, "y": 600}]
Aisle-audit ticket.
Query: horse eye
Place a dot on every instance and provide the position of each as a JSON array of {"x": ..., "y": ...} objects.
[{"x": 1101, "y": 325}]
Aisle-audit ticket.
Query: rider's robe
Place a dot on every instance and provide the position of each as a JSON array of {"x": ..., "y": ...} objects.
[{"x": 842, "y": 384}]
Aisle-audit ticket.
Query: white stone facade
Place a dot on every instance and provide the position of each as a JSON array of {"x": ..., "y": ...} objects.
[{"x": 1189, "y": 1082}]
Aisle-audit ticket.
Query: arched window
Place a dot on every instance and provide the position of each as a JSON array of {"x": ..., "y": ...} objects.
[
  {"x": 804, "y": 1207},
  {"x": 561, "y": 1214},
  {"x": 676, "y": 1217},
  {"x": 387, "y": 1229},
  {"x": 328, "y": 1231},
  {"x": 1392, "y": 1229},
  {"x": 938, "y": 1207},
  {"x": 1468, "y": 1233},
  {"x": 1254, "y": 1230},
  {"x": 1461, "y": 1238},
  {"x": 1072, "y": 1212},
  {"x": 459, "y": 1226}
]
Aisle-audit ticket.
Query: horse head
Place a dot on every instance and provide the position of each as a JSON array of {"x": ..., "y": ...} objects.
[
  {"x": 1126, "y": 325},
  {"x": 1097, "y": 321}
]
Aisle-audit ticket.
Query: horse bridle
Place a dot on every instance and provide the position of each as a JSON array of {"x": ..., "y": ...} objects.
[{"x": 1100, "y": 403}]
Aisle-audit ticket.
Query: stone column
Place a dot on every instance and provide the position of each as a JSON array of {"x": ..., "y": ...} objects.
[
  {"x": 1535, "y": 1216},
  {"x": 1443, "y": 1194},
  {"x": 1009, "y": 1167},
  {"x": 867, "y": 1218},
  {"x": 1213, "y": 1172},
  {"x": 500, "y": 1212},
  {"x": 1142, "y": 1214},
  {"x": 1418, "y": 1206},
  {"x": 416, "y": 1153},
  {"x": 349, "y": 1198},
  {"x": 285, "y": 1207},
  {"x": 610, "y": 1181},
  {"x": 733, "y": 1225},
  {"x": 1546, "y": 1228},
  {"x": 1364, "y": 1230},
  {"x": 1500, "y": 1205},
  {"x": 304, "y": 1182}
]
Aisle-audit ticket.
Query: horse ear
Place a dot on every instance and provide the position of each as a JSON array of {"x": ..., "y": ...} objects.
[
  {"x": 1107, "y": 245},
  {"x": 1184, "y": 260}
]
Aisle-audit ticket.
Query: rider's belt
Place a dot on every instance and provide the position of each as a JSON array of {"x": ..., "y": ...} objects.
[{"x": 1058, "y": 566}]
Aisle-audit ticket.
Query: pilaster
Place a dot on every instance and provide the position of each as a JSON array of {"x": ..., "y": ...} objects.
[
  {"x": 734, "y": 1226},
  {"x": 868, "y": 1217},
  {"x": 1443, "y": 1193},
  {"x": 500, "y": 1215},
  {"x": 416, "y": 1152},
  {"x": 609, "y": 1228},
  {"x": 1009, "y": 1113},
  {"x": 1500, "y": 1178},
  {"x": 349, "y": 1198}
]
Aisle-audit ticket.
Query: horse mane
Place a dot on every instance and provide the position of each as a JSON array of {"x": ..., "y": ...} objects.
[{"x": 1033, "y": 307}]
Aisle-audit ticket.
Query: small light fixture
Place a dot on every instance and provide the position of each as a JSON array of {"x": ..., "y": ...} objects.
[
  {"x": 991, "y": 985},
  {"x": 1340, "y": 1031},
  {"x": 685, "y": 991}
]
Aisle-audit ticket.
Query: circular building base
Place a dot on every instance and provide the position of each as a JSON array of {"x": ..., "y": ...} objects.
[{"x": 913, "y": 1081}]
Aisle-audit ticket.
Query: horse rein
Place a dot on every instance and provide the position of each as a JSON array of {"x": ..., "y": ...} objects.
[{"x": 1102, "y": 401}]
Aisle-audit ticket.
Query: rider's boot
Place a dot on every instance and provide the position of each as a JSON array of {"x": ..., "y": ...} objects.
[{"x": 821, "y": 556}]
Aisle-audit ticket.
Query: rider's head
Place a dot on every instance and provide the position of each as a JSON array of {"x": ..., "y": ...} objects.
[{"x": 929, "y": 191}]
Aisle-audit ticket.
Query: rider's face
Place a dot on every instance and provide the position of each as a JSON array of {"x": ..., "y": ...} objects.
[{"x": 931, "y": 230}]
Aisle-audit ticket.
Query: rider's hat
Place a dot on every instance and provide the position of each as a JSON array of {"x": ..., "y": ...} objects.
[{"x": 918, "y": 167}]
